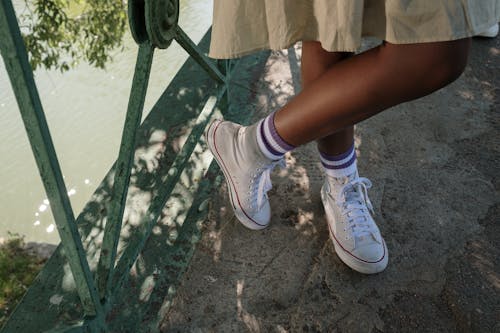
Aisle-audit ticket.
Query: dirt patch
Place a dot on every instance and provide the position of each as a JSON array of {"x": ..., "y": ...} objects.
[{"x": 434, "y": 164}]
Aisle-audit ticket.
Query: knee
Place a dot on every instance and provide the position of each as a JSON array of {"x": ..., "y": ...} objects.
[
  {"x": 452, "y": 66},
  {"x": 447, "y": 63},
  {"x": 429, "y": 65}
]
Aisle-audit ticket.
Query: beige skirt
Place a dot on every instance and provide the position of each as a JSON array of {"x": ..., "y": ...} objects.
[{"x": 241, "y": 27}]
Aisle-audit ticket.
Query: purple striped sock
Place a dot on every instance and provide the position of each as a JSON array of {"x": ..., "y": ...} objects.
[
  {"x": 339, "y": 165},
  {"x": 270, "y": 142}
]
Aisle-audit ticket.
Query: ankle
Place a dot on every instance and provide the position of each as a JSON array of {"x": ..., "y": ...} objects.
[
  {"x": 270, "y": 142},
  {"x": 340, "y": 166}
]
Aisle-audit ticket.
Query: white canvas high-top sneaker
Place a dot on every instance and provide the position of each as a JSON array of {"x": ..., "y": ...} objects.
[
  {"x": 246, "y": 169},
  {"x": 356, "y": 237}
]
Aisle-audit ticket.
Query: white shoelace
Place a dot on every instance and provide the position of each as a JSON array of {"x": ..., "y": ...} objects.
[
  {"x": 262, "y": 178},
  {"x": 356, "y": 206}
]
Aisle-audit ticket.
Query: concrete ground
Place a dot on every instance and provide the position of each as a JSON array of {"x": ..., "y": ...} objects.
[{"x": 435, "y": 165}]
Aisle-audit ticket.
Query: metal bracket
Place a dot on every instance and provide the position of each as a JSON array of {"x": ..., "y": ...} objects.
[{"x": 154, "y": 20}]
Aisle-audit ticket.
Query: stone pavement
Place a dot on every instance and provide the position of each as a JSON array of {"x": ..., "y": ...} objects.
[{"x": 435, "y": 165}]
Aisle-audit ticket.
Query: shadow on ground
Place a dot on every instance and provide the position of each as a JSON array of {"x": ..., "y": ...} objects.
[
  {"x": 170, "y": 180},
  {"x": 435, "y": 167}
]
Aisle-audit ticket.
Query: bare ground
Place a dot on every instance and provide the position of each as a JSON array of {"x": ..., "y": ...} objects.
[{"x": 435, "y": 165}]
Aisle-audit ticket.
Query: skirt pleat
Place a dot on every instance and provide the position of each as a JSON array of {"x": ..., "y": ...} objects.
[{"x": 241, "y": 27}]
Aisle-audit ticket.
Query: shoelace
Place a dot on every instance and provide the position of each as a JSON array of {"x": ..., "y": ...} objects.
[
  {"x": 261, "y": 182},
  {"x": 355, "y": 205}
]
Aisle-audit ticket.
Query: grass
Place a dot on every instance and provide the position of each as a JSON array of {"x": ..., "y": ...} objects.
[{"x": 18, "y": 269}]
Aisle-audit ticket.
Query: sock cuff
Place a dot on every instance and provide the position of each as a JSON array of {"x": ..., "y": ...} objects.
[
  {"x": 337, "y": 158},
  {"x": 275, "y": 135},
  {"x": 339, "y": 165},
  {"x": 267, "y": 147},
  {"x": 342, "y": 164},
  {"x": 272, "y": 145},
  {"x": 344, "y": 172}
]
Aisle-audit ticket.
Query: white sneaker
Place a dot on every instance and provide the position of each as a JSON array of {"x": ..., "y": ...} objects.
[
  {"x": 246, "y": 169},
  {"x": 355, "y": 235},
  {"x": 491, "y": 32}
]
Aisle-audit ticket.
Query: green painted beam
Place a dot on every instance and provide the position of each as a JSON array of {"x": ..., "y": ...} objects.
[
  {"x": 159, "y": 279},
  {"x": 187, "y": 44},
  {"x": 21, "y": 76},
  {"x": 156, "y": 274},
  {"x": 52, "y": 302},
  {"x": 123, "y": 168},
  {"x": 166, "y": 186}
]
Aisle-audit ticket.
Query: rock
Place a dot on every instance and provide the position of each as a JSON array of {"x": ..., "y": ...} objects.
[{"x": 41, "y": 250}]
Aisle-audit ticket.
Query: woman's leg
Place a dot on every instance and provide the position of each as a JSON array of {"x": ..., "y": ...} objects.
[
  {"x": 314, "y": 63},
  {"x": 348, "y": 92},
  {"x": 366, "y": 84}
]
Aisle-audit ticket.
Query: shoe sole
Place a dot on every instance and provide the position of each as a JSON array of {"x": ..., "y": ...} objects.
[
  {"x": 239, "y": 212},
  {"x": 357, "y": 264}
]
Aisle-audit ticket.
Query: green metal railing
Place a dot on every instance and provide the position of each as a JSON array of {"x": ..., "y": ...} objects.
[{"x": 154, "y": 25}]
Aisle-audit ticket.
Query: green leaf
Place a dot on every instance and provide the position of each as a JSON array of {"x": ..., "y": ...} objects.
[{"x": 58, "y": 30}]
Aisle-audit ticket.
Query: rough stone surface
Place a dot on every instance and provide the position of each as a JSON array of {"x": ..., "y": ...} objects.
[
  {"x": 41, "y": 250},
  {"x": 435, "y": 167}
]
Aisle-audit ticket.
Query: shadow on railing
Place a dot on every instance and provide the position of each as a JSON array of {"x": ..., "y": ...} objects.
[{"x": 158, "y": 187}]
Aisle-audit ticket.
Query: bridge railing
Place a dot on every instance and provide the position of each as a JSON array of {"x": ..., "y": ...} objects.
[{"x": 154, "y": 24}]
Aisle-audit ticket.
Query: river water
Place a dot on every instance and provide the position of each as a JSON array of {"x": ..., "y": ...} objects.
[{"x": 85, "y": 110}]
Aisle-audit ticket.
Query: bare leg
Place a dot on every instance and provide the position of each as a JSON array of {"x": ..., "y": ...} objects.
[
  {"x": 347, "y": 91},
  {"x": 315, "y": 62},
  {"x": 366, "y": 84}
]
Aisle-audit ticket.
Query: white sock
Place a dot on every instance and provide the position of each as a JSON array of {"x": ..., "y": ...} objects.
[{"x": 341, "y": 165}]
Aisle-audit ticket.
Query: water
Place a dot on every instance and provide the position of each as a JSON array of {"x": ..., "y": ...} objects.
[{"x": 85, "y": 110}]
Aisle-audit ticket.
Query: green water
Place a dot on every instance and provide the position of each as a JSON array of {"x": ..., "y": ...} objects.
[{"x": 85, "y": 109}]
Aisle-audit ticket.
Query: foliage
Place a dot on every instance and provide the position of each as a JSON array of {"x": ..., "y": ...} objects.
[
  {"x": 18, "y": 269},
  {"x": 60, "y": 33}
]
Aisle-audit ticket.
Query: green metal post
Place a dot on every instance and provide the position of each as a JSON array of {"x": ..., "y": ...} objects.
[
  {"x": 183, "y": 39},
  {"x": 16, "y": 62},
  {"x": 137, "y": 241},
  {"x": 124, "y": 164}
]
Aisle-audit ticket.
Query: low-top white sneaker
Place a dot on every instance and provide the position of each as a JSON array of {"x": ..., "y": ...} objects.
[
  {"x": 356, "y": 237},
  {"x": 246, "y": 169}
]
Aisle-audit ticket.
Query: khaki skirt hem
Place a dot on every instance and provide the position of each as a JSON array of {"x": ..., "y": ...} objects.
[
  {"x": 243, "y": 27},
  {"x": 431, "y": 39}
]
